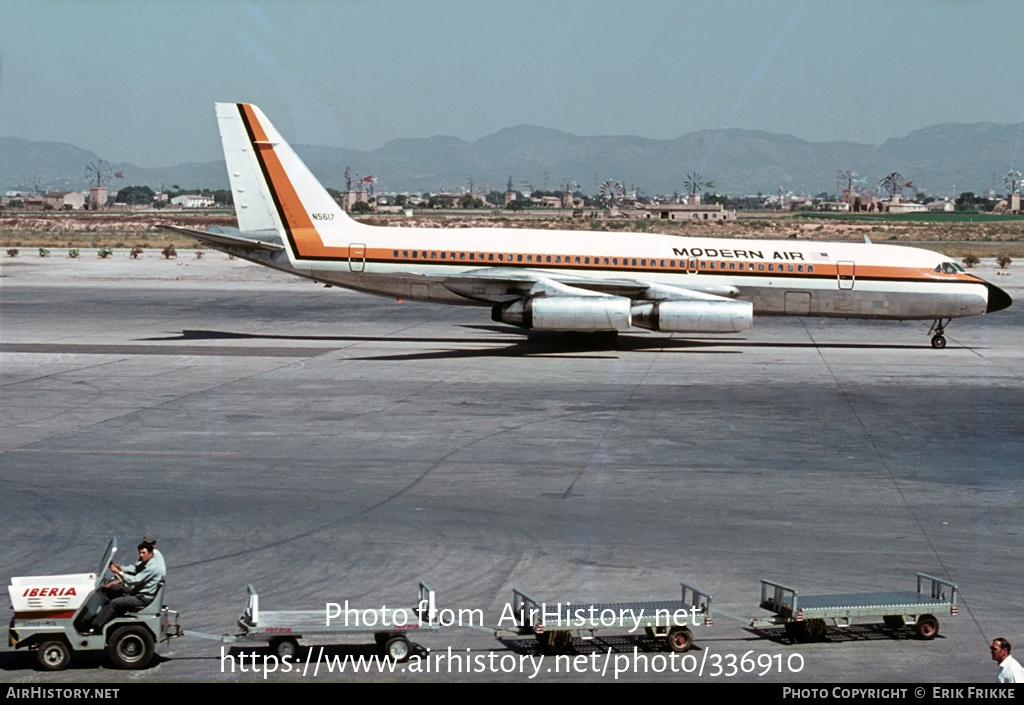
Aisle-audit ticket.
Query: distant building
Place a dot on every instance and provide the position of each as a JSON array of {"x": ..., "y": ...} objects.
[
  {"x": 693, "y": 209},
  {"x": 897, "y": 205},
  {"x": 944, "y": 205},
  {"x": 62, "y": 200},
  {"x": 192, "y": 200}
]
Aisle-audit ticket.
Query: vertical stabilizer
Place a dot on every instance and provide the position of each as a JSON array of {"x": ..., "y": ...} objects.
[
  {"x": 253, "y": 204},
  {"x": 274, "y": 190}
]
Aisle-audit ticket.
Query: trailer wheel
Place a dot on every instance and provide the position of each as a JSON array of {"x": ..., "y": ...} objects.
[
  {"x": 555, "y": 643},
  {"x": 679, "y": 639},
  {"x": 398, "y": 648},
  {"x": 816, "y": 629},
  {"x": 284, "y": 647},
  {"x": 797, "y": 631},
  {"x": 131, "y": 647},
  {"x": 927, "y": 627},
  {"x": 894, "y": 621},
  {"x": 53, "y": 656}
]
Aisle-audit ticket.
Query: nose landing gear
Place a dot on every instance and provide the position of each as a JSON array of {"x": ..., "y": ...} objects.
[{"x": 937, "y": 331}]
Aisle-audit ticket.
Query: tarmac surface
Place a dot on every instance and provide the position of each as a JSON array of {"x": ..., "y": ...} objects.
[{"x": 326, "y": 446}]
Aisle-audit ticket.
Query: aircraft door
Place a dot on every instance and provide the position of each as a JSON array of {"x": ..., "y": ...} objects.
[
  {"x": 357, "y": 257},
  {"x": 845, "y": 274}
]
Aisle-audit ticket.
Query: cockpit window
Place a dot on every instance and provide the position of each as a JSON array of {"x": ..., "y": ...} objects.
[{"x": 949, "y": 268}]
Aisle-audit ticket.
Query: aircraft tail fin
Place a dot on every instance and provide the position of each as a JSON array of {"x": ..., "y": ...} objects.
[{"x": 273, "y": 189}]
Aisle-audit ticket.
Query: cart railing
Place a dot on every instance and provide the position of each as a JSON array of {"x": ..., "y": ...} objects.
[
  {"x": 698, "y": 599},
  {"x": 938, "y": 589},
  {"x": 778, "y": 598},
  {"x": 426, "y": 608}
]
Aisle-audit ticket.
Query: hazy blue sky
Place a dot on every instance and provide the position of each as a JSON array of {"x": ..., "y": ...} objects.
[{"x": 136, "y": 81}]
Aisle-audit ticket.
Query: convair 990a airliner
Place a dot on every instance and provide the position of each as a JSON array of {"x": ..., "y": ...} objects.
[{"x": 566, "y": 280}]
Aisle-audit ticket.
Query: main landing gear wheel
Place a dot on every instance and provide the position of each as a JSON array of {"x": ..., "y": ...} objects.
[
  {"x": 938, "y": 342},
  {"x": 53, "y": 656}
]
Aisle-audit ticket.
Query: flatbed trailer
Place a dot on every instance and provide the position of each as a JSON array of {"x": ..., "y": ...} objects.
[
  {"x": 282, "y": 629},
  {"x": 554, "y": 624},
  {"x": 805, "y": 617}
]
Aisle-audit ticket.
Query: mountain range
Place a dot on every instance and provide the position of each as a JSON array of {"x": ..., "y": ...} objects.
[{"x": 941, "y": 159}]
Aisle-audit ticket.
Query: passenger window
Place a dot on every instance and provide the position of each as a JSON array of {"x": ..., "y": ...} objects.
[
  {"x": 799, "y": 268},
  {"x": 789, "y": 268},
  {"x": 405, "y": 253},
  {"x": 577, "y": 259},
  {"x": 810, "y": 268},
  {"x": 529, "y": 258},
  {"x": 490, "y": 256},
  {"x": 472, "y": 256},
  {"x": 586, "y": 260},
  {"x": 396, "y": 253},
  {"x": 433, "y": 255},
  {"x": 547, "y": 258},
  {"x": 663, "y": 263},
  {"x": 732, "y": 265},
  {"x": 415, "y": 254},
  {"x": 760, "y": 266},
  {"x": 771, "y": 267}
]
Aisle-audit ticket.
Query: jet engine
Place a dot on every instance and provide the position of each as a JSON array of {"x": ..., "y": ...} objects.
[
  {"x": 695, "y": 316},
  {"x": 568, "y": 313}
]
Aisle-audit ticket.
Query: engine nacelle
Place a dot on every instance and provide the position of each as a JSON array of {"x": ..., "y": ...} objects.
[
  {"x": 694, "y": 316},
  {"x": 573, "y": 313}
]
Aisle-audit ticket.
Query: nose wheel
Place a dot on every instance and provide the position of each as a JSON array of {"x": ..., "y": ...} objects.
[{"x": 938, "y": 331}]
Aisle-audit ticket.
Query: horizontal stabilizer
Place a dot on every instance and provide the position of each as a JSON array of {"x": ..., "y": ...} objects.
[{"x": 221, "y": 240}]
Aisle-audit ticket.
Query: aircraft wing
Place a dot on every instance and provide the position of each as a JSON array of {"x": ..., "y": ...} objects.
[
  {"x": 502, "y": 285},
  {"x": 219, "y": 239}
]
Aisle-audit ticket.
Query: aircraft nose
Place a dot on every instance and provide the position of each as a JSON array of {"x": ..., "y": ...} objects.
[{"x": 997, "y": 299}]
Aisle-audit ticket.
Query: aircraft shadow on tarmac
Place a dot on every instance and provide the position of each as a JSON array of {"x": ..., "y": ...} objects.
[{"x": 525, "y": 343}]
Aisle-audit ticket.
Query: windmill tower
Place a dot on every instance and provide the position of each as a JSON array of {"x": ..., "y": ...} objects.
[
  {"x": 611, "y": 193},
  {"x": 694, "y": 183},
  {"x": 845, "y": 182},
  {"x": 99, "y": 174},
  {"x": 1012, "y": 183}
]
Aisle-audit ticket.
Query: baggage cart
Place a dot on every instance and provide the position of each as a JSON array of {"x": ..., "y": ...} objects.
[
  {"x": 806, "y": 617},
  {"x": 555, "y": 624},
  {"x": 282, "y": 629}
]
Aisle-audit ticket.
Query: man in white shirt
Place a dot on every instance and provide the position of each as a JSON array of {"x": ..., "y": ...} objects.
[{"x": 1009, "y": 670}]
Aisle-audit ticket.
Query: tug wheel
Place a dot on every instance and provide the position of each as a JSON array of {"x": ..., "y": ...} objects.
[
  {"x": 53, "y": 656},
  {"x": 131, "y": 647}
]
